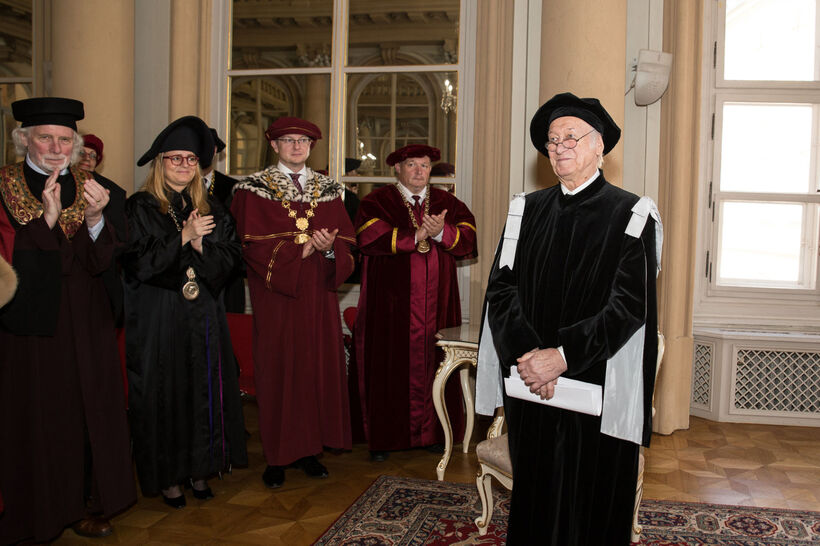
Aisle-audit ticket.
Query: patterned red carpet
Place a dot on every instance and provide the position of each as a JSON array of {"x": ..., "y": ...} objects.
[{"x": 410, "y": 511}]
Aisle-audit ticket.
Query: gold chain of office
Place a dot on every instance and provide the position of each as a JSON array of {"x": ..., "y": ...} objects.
[{"x": 422, "y": 246}]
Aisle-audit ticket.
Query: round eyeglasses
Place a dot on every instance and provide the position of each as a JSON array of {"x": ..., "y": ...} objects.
[
  {"x": 176, "y": 160},
  {"x": 88, "y": 155},
  {"x": 569, "y": 143}
]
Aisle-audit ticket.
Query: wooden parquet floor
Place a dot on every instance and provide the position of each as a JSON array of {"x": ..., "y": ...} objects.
[{"x": 711, "y": 462}]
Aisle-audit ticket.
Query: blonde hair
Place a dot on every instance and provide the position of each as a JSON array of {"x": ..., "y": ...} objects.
[{"x": 156, "y": 186}]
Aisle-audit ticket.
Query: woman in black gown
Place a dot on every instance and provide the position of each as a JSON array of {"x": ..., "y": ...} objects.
[{"x": 185, "y": 410}]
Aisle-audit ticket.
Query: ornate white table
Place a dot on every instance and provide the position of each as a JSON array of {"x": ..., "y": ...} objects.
[{"x": 460, "y": 345}]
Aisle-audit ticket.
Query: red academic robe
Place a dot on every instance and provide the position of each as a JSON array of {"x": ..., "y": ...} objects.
[
  {"x": 406, "y": 297},
  {"x": 298, "y": 352}
]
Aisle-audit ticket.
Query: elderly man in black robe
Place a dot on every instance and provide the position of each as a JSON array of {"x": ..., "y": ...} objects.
[
  {"x": 64, "y": 447},
  {"x": 572, "y": 295}
]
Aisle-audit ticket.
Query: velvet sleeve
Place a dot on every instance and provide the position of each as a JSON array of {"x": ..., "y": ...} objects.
[
  {"x": 38, "y": 260},
  {"x": 459, "y": 237},
  {"x": 95, "y": 256},
  {"x": 340, "y": 268},
  {"x": 220, "y": 252},
  {"x": 155, "y": 254},
  {"x": 376, "y": 233},
  {"x": 513, "y": 335},
  {"x": 598, "y": 337}
]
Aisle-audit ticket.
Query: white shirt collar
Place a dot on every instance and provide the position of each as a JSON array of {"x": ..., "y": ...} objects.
[
  {"x": 582, "y": 187},
  {"x": 208, "y": 179},
  {"x": 39, "y": 170},
  {"x": 408, "y": 195},
  {"x": 302, "y": 171}
]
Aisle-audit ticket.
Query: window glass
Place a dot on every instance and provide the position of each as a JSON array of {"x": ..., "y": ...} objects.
[
  {"x": 388, "y": 111},
  {"x": 398, "y": 32},
  {"x": 10, "y": 92},
  {"x": 281, "y": 33},
  {"x": 760, "y": 243},
  {"x": 766, "y": 148},
  {"x": 770, "y": 40},
  {"x": 256, "y": 101},
  {"x": 15, "y": 39}
]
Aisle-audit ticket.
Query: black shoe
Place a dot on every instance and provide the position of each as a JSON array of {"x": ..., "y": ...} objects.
[
  {"x": 274, "y": 476},
  {"x": 438, "y": 449},
  {"x": 201, "y": 494},
  {"x": 378, "y": 456},
  {"x": 175, "y": 502},
  {"x": 312, "y": 467}
]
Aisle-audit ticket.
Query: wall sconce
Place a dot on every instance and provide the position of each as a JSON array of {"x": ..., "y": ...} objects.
[{"x": 448, "y": 99}]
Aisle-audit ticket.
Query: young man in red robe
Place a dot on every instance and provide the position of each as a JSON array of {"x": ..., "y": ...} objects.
[
  {"x": 411, "y": 236},
  {"x": 296, "y": 240}
]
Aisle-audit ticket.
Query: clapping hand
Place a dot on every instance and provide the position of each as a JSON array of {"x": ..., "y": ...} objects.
[
  {"x": 52, "y": 206},
  {"x": 433, "y": 224},
  {"x": 97, "y": 198},
  {"x": 195, "y": 228}
]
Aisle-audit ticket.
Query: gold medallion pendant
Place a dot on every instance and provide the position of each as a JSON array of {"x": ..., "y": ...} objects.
[
  {"x": 423, "y": 247},
  {"x": 190, "y": 290},
  {"x": 302, "y": 224},
  {"x": 301, "y": 238}
]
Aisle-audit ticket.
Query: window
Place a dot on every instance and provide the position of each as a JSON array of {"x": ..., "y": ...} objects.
[
  {"x": 373, "y": 76},
  {"x": 762, "y": 206},
  {"x": 16, "y": 67}
]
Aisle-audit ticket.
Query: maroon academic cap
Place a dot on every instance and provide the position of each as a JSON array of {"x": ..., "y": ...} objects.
[
  {"x": 413, "y": 150},
  {"x": 293, "y": 126},
  {"x": 48, "y": 111},
  {"x": 94, "y": 142}
]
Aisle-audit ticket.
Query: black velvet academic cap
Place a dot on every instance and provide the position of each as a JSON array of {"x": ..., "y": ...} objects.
[
  {"x": 188, "y": 133},
  {"x": 351, "y": 164},
  {"x": 48, "y": 111},
  {"x": 567, "y": 104}
]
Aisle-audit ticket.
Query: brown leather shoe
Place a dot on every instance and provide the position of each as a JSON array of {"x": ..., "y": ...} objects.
[{"x": 93, "y": 527}]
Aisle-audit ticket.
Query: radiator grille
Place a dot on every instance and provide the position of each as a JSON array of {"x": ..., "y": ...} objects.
[
  {"x": 777, "y": 380},
  {"x": 702, "y": 374}
]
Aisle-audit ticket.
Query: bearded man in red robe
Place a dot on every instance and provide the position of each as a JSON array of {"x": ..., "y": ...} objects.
[
  {"x": 296, "y": 239},
  {"x": 411, "y": 236}
]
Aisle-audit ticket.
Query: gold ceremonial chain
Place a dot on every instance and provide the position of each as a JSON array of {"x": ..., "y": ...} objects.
[
  {"x": 302, "y": 224},
  {"x": 211, "y": 187},
  {"x": 422, "y": 246},
  {"x": 190, "y": 290}
]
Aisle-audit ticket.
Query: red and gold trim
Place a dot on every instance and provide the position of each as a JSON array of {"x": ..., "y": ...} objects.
[
  {"x": 270, "y": 265},
  {"x": 466, "y": 224},
  {"x": 458, "y": 236},
  {"x": 367, "y": 225}
]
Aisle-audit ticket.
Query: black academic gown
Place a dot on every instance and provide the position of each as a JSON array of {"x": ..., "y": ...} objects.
[
  {"x": 112, "y": 277},
  {"x": 185, "y": 410},
  {"x": 579, "y": 282},
  {"x": 234, "y": 293},
  {"x": 60, "y": 381}
]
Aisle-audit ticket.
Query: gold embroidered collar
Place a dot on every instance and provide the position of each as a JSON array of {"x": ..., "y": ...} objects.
[{"x": 25, "y": 207}]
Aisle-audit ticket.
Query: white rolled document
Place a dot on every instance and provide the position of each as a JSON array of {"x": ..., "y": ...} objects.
[{"x": 570, "y": 394}]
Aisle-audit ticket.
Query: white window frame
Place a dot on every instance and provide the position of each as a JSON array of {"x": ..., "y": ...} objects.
[{"x": 771, "y": 308}]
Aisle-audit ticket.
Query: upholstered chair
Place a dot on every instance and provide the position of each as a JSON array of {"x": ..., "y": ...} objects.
[{"x": 494, "y": 461}]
